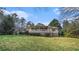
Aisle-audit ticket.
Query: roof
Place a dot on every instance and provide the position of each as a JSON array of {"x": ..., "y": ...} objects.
[{"x": 42, "y": 27}]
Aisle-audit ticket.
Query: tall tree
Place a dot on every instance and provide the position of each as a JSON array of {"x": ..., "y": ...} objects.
[
  {"x": 40, "y": 25},
  {"x": 70, "y": 25},
  {"x": 22, "y": 22},
  {"x": 54, "y": 23},
  {"x": 66, "y": 26},
  {"x": 19, "y": 23},
  {"x": 30, "y": 24},
  {"x": 7, "y": 25}
]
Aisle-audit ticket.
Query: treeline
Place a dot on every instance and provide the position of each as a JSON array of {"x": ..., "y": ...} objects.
[
  {"x": 69, "y": 27},
  {"x": 70, "y": 24},
  {"x": 11, "y": 23}
]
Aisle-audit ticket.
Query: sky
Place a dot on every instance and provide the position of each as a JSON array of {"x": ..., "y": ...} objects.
[{"x": 35, "y": 14}]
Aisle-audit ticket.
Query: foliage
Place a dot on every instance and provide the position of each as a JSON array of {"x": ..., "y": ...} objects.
[
  {"x": 71, "y": 21},
  {"x": 11, "y": 23},
  {"x": 54, "y": 23},
  {"x": 30, "y": 24},
  {"x": 8, "y": 25}
]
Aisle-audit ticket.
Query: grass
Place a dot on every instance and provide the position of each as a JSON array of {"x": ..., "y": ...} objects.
[{"x": 34, "y": 43}]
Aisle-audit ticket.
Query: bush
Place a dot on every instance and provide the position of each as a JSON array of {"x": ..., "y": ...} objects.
[{"x": 75, "y": 33}]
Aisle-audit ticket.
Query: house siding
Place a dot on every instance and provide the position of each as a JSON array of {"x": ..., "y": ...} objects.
[{"x": 44, "y": 31}]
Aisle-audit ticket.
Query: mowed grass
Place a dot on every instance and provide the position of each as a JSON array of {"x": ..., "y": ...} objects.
[{"x": 37, "y": 43}]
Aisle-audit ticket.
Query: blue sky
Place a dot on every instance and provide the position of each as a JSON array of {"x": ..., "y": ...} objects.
[{"x": 36, "y": 14}]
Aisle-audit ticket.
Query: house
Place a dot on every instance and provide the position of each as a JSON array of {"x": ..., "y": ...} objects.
[{"x": 43, "y": 30}]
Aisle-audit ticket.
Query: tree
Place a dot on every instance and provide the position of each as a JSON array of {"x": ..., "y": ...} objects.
[
  {"x": 30, "y": 24},
  {"x": 11, "y": 23},
  {"x": 66, "y": 27},
  {"x": 22, "y": 22},
  {"x": 71, "y": 24},
  {"x": 2, "y": 18},
  {"x": 69, "y": 13},
  {"x": 7, "y": 25},
  {"x": 1, "y": 10},
  {"x": 39, "y": 25},
  {"x": 54, "y": 23}
]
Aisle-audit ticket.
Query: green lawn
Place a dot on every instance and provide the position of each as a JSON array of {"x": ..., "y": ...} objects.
[{"x": 34, "y": 43}]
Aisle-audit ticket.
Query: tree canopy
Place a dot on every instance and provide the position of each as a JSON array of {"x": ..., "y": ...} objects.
[{"x": 54, "y": 23}]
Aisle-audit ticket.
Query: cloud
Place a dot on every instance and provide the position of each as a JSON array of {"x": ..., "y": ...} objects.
[
  {"x": 56, "y": 11},
  {"x": 18, "y": 12},
  {"x": 21, "y": 14},
  {"x": 6, "y": 12}
]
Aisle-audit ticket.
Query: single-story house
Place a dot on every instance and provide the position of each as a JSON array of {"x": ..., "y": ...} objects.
[{"x": 43, "y": 30}]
